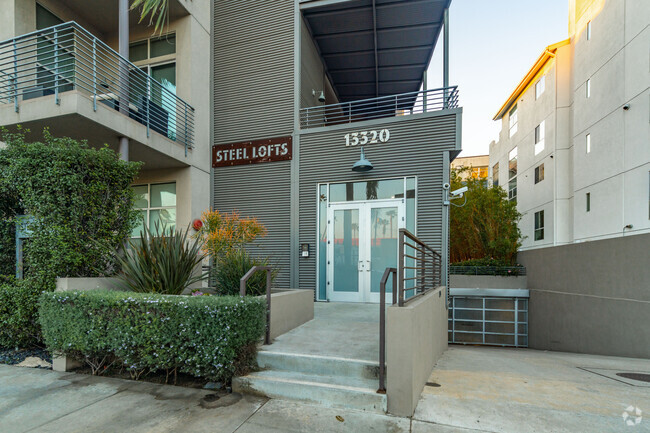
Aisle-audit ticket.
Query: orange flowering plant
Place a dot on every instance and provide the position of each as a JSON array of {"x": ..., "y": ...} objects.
[{"x": 224, "y": 232}]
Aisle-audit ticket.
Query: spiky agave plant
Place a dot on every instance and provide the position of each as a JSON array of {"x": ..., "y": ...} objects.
[{"x": 162, "y": 261}]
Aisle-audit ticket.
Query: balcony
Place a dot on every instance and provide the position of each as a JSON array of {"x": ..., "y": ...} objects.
[
  {"x": 404, "y": 104},
  {"x": 49, "y": 65}
]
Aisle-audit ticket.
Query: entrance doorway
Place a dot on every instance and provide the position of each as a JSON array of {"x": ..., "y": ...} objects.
[{"x": 363, "y": 242}]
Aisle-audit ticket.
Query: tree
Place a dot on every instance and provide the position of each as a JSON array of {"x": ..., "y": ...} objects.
[
  {"x": 80, "y": 200},
  {"x": 157, "y": 9},
  {"x": 486, "y": 225}
]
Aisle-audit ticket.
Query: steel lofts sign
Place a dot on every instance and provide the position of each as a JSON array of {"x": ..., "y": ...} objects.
[{"x": 251, "y": 152}]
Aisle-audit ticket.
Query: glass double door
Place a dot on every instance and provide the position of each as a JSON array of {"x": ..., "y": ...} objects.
[{"x": 363, "y": 243}]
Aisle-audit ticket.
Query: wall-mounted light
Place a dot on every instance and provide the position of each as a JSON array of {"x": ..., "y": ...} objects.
[{"x": 362, "y": 164}]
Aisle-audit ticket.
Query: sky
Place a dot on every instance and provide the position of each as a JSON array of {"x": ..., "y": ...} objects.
[{"x": 492, "y": 44}]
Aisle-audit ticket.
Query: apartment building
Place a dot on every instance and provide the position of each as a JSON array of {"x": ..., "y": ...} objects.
[
  {"x": 477, "y": 166},
  {"x": 62, "y": 67},
  {"x": 322, "y": 131},
  {"x": 574, "y": 150}
]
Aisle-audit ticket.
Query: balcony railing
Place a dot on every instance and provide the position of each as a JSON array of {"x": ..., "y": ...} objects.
[
  {"x": 403, "y": 104},
  {"x": 68, "y": 58}
]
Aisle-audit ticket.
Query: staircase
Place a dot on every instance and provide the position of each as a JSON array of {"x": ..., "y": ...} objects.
[{"x": 325, "y": 380}]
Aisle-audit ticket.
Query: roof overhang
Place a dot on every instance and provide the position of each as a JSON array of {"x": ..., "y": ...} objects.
[
  {"x": 529, "y": 78},
  {"x": 374, "y": 48}
]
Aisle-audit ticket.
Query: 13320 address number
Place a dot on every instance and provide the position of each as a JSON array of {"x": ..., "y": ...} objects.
[{"x": 366, "y": 137}]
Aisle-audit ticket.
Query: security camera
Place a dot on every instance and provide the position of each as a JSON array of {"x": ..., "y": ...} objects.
[
  {"x": 446, "y": 186},
  {"x": 321, "y": 96},
  {"x": 626, "y": 107},
  {"x": 459, "y": 192}
]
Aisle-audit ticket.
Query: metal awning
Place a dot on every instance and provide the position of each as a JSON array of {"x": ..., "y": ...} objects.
[{"x": 374, "y": 48}]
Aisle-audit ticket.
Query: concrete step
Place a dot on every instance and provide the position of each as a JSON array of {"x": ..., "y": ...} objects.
[
  {"x": 327, "y": 390},
  {"x": 320, "y": 365}
]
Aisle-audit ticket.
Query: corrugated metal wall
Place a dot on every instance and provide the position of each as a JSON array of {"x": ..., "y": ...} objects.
[
  {"x": 415, "y": 148},
  {"x": 253, "y": 99}
]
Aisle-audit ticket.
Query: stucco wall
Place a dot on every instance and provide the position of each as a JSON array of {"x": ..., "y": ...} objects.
[
  {"x": 290, "y": 309},
  {"x": 591, "y": 297},
  {"x": 416, "y": 337}
]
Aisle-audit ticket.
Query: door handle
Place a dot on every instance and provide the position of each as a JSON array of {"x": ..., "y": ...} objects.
[
  {"x": 360, "y": 266},
  {"x": 368, "y": 269}
]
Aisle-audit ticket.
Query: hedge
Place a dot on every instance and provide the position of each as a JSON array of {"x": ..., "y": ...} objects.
[
  {"x": 19, "y": 325},
  {"x": 205, "y": 336}
]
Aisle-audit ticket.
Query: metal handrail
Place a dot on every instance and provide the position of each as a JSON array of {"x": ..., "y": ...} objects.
[
  {"x": 427, "y": 264},
  {"x": 242, "y": 292},
  {"x": 67, "y": 57},
  {"x": 382, "y": 324},
  {"x": 402, "y": 104}
]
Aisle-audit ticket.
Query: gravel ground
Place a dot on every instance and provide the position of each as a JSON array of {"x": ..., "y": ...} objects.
[{"x": 16, "y": 356}]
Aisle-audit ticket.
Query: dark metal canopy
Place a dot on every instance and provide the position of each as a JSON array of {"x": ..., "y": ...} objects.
[{"x": 375, "y": 48}]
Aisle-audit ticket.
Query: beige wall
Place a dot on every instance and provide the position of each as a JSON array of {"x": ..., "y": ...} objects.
[
  {"x": 416, "y": 337},
  {"x": 290, "y": 309},
  {"x": 591, "y": 297}
]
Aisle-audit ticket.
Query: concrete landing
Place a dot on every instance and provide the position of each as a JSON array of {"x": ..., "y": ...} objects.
[{"x": 339, "y": 330}]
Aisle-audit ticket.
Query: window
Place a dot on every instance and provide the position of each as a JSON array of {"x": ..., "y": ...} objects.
[
  {"x": 156, "y": 58},
  {"x": 539, "y": 137},
  {"x": 588, "y": 88},
  {"x": 588, "y": 142},
  {"x": 588, "y": 199},
  {"x": 512, "y": 174},
  {"x": 539, "y": 225},
  {"x": 156, "y": 202},
  {"x": 495, "y": 174},
  {"x": 512, "y": 119},
  {"x": 539, "y": 87},
  {"x": 589, "y": 30},
  {"x": 539, "y": 173}
]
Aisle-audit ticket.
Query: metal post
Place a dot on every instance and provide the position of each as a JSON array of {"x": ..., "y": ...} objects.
[
  {"x": 400, "y": 268},
  {"x": 148, "y": 105},
  {"x": 185, "y": 135},
  {"x": 445, "y": 58},
  {"x": 425, "y": 87},
  {"x": 15, "y": 78},
  {"x": 56, "y": 67},
  {"x": 94, "y": 74},
  {"x": 267, "y": 339},
  {"x": 516, "y": 322},
  {"x": 382, "y": 334}
]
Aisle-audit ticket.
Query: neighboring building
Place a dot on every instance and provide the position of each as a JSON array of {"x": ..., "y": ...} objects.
[
  {"x": 574, "y": 152},
  {"x": 318, "y": 81},
  {"x": 478, "y": 166},
  {"x": 574, "y": 146},
  {"x": 61, "y": 69}
]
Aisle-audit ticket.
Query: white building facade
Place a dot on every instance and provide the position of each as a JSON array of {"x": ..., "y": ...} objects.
[{"x": 574, "y": 148}]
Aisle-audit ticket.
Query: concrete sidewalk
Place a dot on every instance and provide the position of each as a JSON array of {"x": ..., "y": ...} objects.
[{"x": 481, "y": 390}]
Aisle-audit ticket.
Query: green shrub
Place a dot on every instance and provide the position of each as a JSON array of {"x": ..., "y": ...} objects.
[
  {"x": 80, "y": 199},
  {"x": 19, "y": 325},
  {"x": 162, "y": 261},
  {"x": 208, "y": 336},
  {"x": 233, "y": 265},
  {"x": 486, "y": 266}
]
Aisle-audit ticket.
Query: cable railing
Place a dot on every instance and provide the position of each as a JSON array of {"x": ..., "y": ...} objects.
[
  {"x": 67, "y": 57},
  {"x": 402, "y": 104}
]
